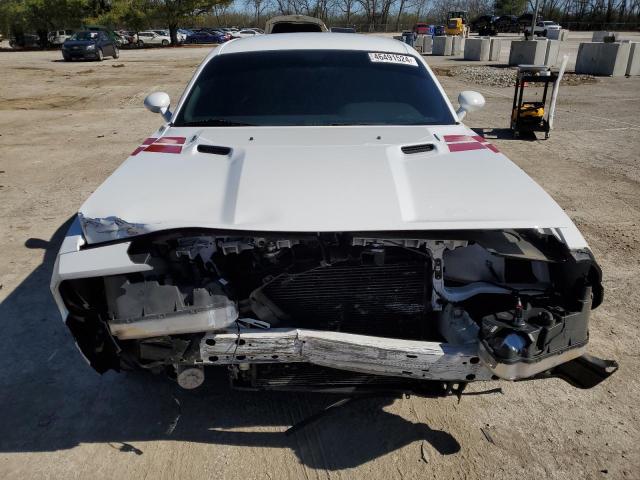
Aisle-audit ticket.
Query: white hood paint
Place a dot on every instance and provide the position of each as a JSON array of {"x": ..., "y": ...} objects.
[{"x": 324, "y": 179}]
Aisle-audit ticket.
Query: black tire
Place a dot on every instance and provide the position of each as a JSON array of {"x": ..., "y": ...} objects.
[
  {"x": 165, "y": 43},
  {"x": 140, "y": 44},
  {"x": 99, "y": 55},
  {"x": 116, "y": 53},
  {"x": 66, "y": 58}
]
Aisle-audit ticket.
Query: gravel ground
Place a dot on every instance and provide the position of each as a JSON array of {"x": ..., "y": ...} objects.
[
  {"x": 501, "y": 76},
  {"x": 65, "y": 127}
]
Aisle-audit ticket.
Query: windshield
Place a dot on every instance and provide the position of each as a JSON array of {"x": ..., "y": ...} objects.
[
  {"x": 85, "y": 36},
  {"x": 314, "y": 87}
]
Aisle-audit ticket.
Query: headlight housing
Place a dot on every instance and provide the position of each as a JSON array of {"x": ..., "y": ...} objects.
[
  {"x": 98, "y": 230},
  {"x": 91, "y": 47}
]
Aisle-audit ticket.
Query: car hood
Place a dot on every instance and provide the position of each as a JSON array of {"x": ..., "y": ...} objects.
[{"x": 322, "y": 179}]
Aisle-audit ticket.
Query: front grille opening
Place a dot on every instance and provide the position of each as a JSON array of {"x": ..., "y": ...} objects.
[
  {"x": 411, "y": 149},
  {"x": 381, "y": 300}
]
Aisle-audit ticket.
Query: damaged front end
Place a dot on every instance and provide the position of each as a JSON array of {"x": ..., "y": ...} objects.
[{"x": 340, "y": 311}]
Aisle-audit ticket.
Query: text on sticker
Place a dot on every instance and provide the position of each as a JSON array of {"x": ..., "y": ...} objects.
[{"x": 393, "y": 58}]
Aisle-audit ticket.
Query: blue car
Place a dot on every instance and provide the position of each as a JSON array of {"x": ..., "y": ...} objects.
[{"x": 205, "y": 37}]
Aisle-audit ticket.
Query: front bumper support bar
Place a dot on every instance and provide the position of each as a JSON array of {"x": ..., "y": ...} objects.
[{"x": 346, "y": 351}]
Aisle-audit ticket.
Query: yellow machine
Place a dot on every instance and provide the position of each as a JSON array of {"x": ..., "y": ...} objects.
[
  {"x": 457, "y": 24},
  {"x": 454, "y": 27},
  {"x": 530, "y": 111}
]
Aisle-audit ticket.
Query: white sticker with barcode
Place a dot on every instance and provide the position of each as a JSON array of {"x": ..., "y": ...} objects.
[{"x": 393, "y": 58}]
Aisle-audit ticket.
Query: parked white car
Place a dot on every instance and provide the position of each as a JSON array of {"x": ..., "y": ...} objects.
[
  {"x": 58, "y": 37},
  {"x": 181, "y": 37},
  {"x": 152, "y": 38},
  {"x": 543, "y": 27},
  {"x": 341, "y": 231},
  {"x": 247, "y": 32}
]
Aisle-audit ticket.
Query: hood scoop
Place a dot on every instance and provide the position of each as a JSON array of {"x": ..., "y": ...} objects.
[
  {"x": 214, "y": 149},
  {"x": 422, "y": 148}
]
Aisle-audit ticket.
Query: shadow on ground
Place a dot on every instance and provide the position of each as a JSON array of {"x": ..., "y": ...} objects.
[
  {"x": 504, "y": 134},
  {"x": 50, "y": 399}
]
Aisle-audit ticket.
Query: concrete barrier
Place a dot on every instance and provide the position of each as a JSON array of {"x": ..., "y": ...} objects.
[
  {"x": 553, "y": 34},
  {"x": 597, "y": 58},
  {"x": 633, "y": 65},
  {"x": 528, "y": 52},
  {"x": 418, "y": 43},
  {"x": 601, "y": 35},
  {"x": 477, "y": 49},
  {"x": 494, "y": 50},
  {"x": 557, "y": 34},
  {"x": 551, "y": 55},
  {"x": 442, "y": 45},
  {"x": 457, "y": 45},
  {"x": 427, "y": 44}
]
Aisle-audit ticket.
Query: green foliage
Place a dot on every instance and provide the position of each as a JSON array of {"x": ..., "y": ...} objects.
[
  {"x": 175, "y": 12},
  {"x": 133, "y": 14},
  {"x": 18, "y": 16},
  {"x": 510, "y": 7}
]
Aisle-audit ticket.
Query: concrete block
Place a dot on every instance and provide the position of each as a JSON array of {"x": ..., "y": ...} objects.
[
  {"x": 557, "y": 34},
  {"x": 553, "y": 34},
  {"x": 457, "y": 45},
  {"x": 418, "y": 43},
  {"x": 528, "y": 52},
  {"x": 633, "y": 65},
  {"x": 551, "y": 55},
  {"x": 442, "y": 45},
  {"x": 494, "y": 51},
  {"x": 564, "y": 35},
  {"x": 596, "y": 58},
  {"x": 601, "y": 35},
  {"x": 477, "y": 49},
  {"x": 427, "y": 43}
]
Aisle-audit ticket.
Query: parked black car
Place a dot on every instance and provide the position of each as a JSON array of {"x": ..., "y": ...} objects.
[
  {"x": 484, "y": 25},
  {"x": 89, "y": 45},
  {"x": 508, "y": 24},
  {"x": 25, "y": 41},
  {"x": 205, "y": 37}
]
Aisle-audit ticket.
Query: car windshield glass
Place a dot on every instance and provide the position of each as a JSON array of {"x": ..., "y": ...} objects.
[
  {"x": 85, "y": 36},
  {"x": 314, "y": 87}
]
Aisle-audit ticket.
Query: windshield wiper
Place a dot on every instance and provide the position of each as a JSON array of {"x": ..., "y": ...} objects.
[{"x": 216, "y": 122}]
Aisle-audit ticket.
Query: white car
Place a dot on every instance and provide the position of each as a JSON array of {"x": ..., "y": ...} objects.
[
  {"x": 330, "y": 224},
  {"x": 152, "y": 38},
  {"x": 58, "y": 37},
  {"x": 543, "y": 27},
  {"x": 181, "y": 37},
  {"x": 247, "y": 32}
]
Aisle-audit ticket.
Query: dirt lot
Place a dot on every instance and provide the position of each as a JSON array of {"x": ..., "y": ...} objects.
[{"x": 65, "y": 127}]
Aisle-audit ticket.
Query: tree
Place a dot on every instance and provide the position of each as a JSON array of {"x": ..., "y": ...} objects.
[
  {"x": 135, "y": 14},
  {"x": 175, "y": 12},
  {"x": 257, "y": 7},
  {"x": 510, "y": 7},
  {"x": 41, "y": 16},
  {"x": 347, "y": 7}
]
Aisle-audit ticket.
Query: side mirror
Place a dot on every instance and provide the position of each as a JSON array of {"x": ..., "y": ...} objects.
[
  {"x": 159, "y": 102},
  {"x": 469, "y": 102}
]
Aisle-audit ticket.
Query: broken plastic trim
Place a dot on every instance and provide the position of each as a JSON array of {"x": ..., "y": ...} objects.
[{"x": 98, "y": 230}]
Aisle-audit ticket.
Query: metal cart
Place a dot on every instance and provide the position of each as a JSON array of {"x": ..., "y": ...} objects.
[{"x": 529, "y": 116}]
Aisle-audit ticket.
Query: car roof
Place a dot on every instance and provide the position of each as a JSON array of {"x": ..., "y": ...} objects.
[{"x": 313, "y": 41}]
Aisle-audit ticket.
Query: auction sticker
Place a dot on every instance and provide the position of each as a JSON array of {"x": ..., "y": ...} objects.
[{"x": 393, "y": 58}]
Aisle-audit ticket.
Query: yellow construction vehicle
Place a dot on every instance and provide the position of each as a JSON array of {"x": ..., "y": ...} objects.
[{"x": 457, "y": 24}]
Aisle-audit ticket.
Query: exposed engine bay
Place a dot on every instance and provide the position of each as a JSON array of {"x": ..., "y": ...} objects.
[{"x": 338, "y": 309}]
